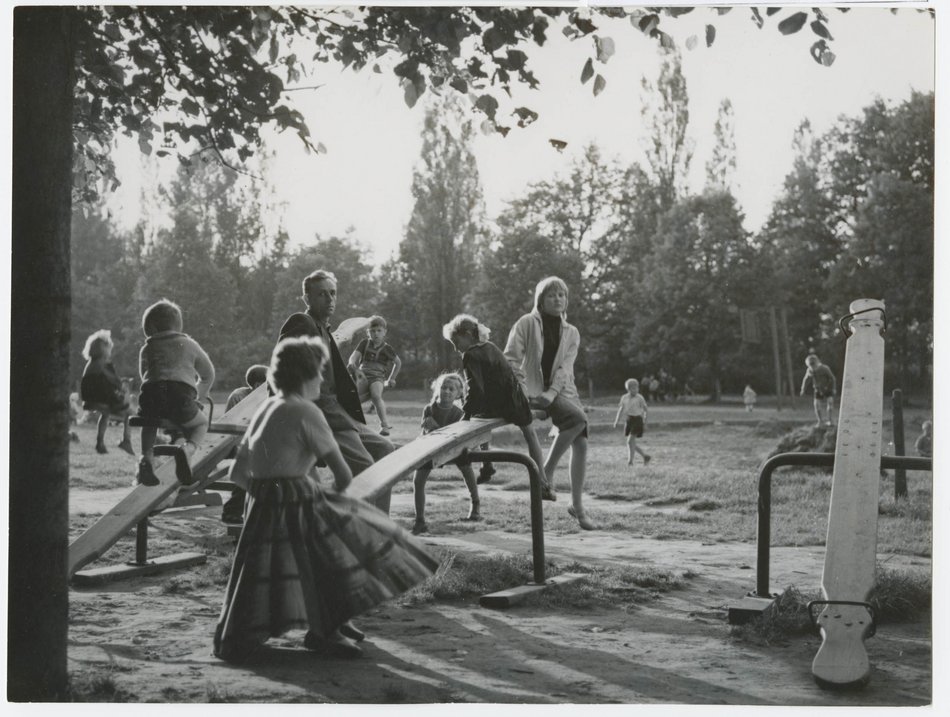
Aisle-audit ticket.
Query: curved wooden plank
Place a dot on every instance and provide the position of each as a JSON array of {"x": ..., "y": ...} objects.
[
  {"x": 851, "y": 545},
  {"x": 142, "y": 500},
  {"x": 440, "y": 447}
]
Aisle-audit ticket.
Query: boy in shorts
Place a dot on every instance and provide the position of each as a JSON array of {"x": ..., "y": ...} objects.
[
  {"x": 374, "y": 365},
  {"x": 634, "y": 407},
  {"x": 176, "y": 377},
  {"x": 820, "y": 379}
]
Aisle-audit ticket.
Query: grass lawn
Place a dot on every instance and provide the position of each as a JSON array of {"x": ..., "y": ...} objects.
[{"x": 701, "y": 485}]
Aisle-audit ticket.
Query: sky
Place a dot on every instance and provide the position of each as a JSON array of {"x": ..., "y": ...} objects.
[{"x": 372, "y": 138}]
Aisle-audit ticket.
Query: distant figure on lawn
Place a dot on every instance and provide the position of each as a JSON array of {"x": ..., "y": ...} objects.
[
  {"x": 176, "y": 378},
  {"x": 821, "y": 381},
  {"x": 307, "y": 557},
  {"x": 925, "y": 441},
  {"x": 634, "y": 408},
  {"x": 233, "y": 509},
  {"x": 101, "y": 390},
  {"x": 491, "y": 387},
  {"x": 339, "y": 400},
  {"x": 442, "y": 410},
  {"x": 748, "y": 398},
  {"x": 542, "y": 347},
  {"x": 374, "y": 364}
]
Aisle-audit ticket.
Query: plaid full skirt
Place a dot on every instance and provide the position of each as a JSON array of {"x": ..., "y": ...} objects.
[{"x": 311, "y": 559}]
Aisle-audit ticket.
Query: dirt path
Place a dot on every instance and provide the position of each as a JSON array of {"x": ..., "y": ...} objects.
[{"x": 151, "y": 640}]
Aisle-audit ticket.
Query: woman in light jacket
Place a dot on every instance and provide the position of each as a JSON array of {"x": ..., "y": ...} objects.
[{"x": 541, "y": 349}]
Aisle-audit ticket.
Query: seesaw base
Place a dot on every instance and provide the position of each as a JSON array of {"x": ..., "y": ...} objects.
[
  {"x": 513, "y": 596},
  {"x": 97, "y": 576}
]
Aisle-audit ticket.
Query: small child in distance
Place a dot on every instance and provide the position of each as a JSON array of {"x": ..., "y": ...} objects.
[{"x": 634, "y": 407}]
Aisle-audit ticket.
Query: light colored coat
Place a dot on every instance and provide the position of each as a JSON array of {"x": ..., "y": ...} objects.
[{"x": 523, "y": 351}]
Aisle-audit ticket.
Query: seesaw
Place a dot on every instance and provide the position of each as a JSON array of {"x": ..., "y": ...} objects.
[
  {"x": 134, "y": 509},
  {"x": 460, "y": 441},
  {"x": 845, "y": 618}
]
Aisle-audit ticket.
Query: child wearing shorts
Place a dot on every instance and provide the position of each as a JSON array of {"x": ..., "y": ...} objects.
[
  {"x": 374, "y": 365},
  {"x": 176, "y": 377},
  {"x": 447, "y": 389},
  {"x": 634, "y": 407}
]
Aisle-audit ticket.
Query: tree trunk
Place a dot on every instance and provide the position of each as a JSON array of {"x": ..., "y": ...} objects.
[{"x": 39, "y": 354}]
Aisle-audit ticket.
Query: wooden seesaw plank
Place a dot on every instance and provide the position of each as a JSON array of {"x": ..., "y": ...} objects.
[
  {"x": 142, "y": 500},
  {"x": 440, "y": 446},
  {"x": 851, "y": 545}
]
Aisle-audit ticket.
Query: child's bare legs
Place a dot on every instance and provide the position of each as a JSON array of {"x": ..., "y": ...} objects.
[
  {"x": 468, "y": 475},
  {"x": 537, "y": 455},
  {"x": 195, "y": 431},
  {"x": 101, "y": 431},
  {"x": 419, "y": 497},
  {"x": 632, "y": 448},
  {"x": 574, "y": 439},
  {"x": 376, "y": 396}
]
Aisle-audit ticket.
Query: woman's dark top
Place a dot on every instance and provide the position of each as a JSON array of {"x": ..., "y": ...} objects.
[{"x": 551, "y": 329}]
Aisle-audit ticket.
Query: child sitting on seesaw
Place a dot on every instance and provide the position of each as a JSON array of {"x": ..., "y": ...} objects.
[
  {"x": 169, "y": 363},
  {"x": 492, "y": 389},
  {"x": 374, "y": 365},
  {"x": 308, "y": 557},
  {"x": 447, "y": 389},
  {"x": 634, "y": 407},
  {"x": 101, "y": 389}
]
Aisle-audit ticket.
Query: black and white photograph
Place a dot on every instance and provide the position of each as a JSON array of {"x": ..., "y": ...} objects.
[{"x": 603, "y": 335}]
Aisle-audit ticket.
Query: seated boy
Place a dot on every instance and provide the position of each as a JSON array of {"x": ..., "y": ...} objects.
[
  {"x": 176, "y": 377},
  {"x": 374, "y": 364}
]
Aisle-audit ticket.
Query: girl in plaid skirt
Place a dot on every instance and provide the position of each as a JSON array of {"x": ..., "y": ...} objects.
[{"x": 308, "y": 558}]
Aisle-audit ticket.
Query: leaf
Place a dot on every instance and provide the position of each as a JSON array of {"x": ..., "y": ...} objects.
[
  {"x": 666, "y": 42},
  {"x": 558, "y": 144},
  {"x": 377, "y": 69},
  {"x": 793, "y": 24},
  {"x": 273, "y": 50},
  {"x": 599, "y": 84},
  {"x": 691, "y": 42},
  {"x": 723, "y": 10},
  {"x": 321, "y": 149},
  {"x": 409, "y": 93},
  {"x": 821, "y": 54},
  {"x": 648, "y": 24},
  {"x": 584, "y": 25},
  {"x": 459, "y": 85},
  {"x": 819, "y": 29},
  {"x": 189, "y": 106},
  {"x": 710, "y": 35},
  {"x": 493, "y": 39},
  {"x": 772, "y": 10},
  {"x": 588, "y": 71},
  {"x": 516, "y": 59},
  {"x": 525, "y": 116},
  {"x": 487, "y": 104},
  {"x": 757, "y": 17},
  {"x": 605, "y": 48}
]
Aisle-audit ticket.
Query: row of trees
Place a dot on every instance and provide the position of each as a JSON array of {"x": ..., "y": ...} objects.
[{"x": 658, "y": 276}]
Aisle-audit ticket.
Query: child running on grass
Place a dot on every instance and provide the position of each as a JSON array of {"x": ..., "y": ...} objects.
[
  {"x": 308, "y": 558},
  {"x": 492, "y": 389},
  {"x": 447, "y": 389},
  {"x": 374, "y": 364},
  {"x": 101, "y": 390},
  {"x": 634, "y": 407},
  {"x": 176, "y": 377},
  {"x": 748, "y": 398}
]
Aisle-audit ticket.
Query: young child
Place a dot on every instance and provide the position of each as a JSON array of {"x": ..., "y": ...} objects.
[
  {"x": 748, "y": 398},
  {"x": 307, "y": 557},
  {"x": 492, "y": 389},
  {"x": 169, "y": 364},
  {"x": 820, "y": 379},
  {"x": 925, "y": 441},
  {"x": 447, "y": 389},
  {"x": 374, "y": 364},
  {"x": 232, "y": 512},
  {"x": 101, "y": 389},
  {"x": 253, "y": 377},
  {"x": 634, "y": 407}
]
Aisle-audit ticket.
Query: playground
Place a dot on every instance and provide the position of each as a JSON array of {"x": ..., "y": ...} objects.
[{"x": 647, "y": 624}]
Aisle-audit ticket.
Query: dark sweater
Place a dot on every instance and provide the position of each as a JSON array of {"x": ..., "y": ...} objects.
[{"x": 493, "y": 389}]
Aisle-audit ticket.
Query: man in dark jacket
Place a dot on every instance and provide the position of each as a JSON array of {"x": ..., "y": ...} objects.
[{"x": 339, "y": 400}]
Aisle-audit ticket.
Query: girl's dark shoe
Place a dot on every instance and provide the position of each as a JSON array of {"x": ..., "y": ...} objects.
[
  {"x": 547, "y": 492},
  {"x": 485, "y": 473},
  {"x": 126, "y": 446},
  {"x": 146, "y": 474},
  {"x": 473, "y": 513},
  {"x": 348, "y": 629},
  {"x": 101, "y": 448},
  {"x": 420, "y": 527}
]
